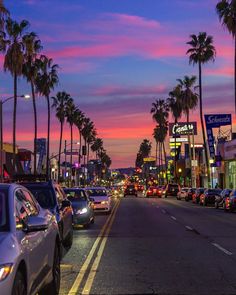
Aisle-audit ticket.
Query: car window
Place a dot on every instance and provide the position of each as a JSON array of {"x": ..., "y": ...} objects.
[
  {"x": 30, "y": 202},
  {"x": 44, "y": 196},
  {"x": 59, "y": 195},
  {"x": 3, "y": 211},
  {"x": 76, "y": 195},
  {"x": 97, "y": 192}
]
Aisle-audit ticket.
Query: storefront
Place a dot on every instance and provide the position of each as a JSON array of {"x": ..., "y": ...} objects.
[{"x": 230, "y": 163}]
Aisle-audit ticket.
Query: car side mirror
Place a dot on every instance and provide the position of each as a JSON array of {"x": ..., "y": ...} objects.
[{"x": 35, "y": 223}]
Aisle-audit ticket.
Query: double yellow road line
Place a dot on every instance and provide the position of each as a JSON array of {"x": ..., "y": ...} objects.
[{"x": 98, "y": 247}]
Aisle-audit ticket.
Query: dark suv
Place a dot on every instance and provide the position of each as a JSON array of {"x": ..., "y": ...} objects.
[
  {"x": 51, "y": 196},
  {"x": 171, "y": 189},
  {"x": 130, "y": 190}
]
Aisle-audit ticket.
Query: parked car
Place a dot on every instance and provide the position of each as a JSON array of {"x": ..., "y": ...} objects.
[
  {"x": 182, "y": 193},
  {"x": 82, "y": 206},
  {"x": 51, "y": 196},
  {"x": 190, "y": 193},
  {"x": 27, "y": 264},
  {"x": 130, "y": 191},
  {"x": 208, "y": 197},
  {"x": 230, "y": 202},
  {"x": 220, "y": 199},
  {"x": 100, "y": 199},
  {"x": 197, "y": 194},
  {"x": 171, "y": 189}
]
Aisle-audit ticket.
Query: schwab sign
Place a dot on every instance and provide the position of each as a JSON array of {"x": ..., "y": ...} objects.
[
  {"x": 182, "y": 128},
  {"x": 214, "y": 121}
]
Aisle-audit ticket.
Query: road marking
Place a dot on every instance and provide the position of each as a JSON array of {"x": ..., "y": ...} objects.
[
  {"x": 85, "y": 266},
  {"x": 163, "y": 211},
  {"x": 222, "y": 249},
  {"x": 93, "y": 270},
  {"x": 188, "y": 227},
  {"x": 174, "y": 218}
]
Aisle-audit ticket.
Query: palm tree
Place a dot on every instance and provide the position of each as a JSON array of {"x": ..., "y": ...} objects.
[
  {"x": 97, "y": 146},
  {"x": 13, "y": 62},
  {"x": 189, "y": 101},
  {"x": 60, "y": 103},
  {"x": 201, "y": 52},
  {"x": 31, "y": 65},
  {"x": 226, "y": 11},
  {"x": 176, "y": 109},
  {"x": 160, "y": 111},
  {"x": 70, "y": 118},
  {"x": 78, "y": 122},
  {"x": 46, "y": 81}
]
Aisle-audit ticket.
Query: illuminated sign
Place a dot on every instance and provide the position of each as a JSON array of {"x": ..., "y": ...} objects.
[
  {"x": 182, "y": 128},
  {"x": 150, "y": 159},
  {"x": 178, "y": 139}
]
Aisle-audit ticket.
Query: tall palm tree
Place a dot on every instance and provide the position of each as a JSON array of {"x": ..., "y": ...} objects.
[
  {"x": 226, "y": 11},
  {"x": 97, "y": 146},
  {"x": 91, "y": 138},
  {"x": 31, "y": 65},
  {"x": 46, "y": 81},
  {"x": 175, "y": 107},
  {"x": 189, "y": 101},
  {"x": 60, "y": 103},
  {"x": 201, "y": 52},
  {"x": 70, "y": 118},
  {"x": 13, "y": 62},
  {"x": 78, "y": 122}
]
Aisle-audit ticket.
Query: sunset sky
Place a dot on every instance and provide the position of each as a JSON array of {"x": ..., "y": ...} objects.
[{"x": 116, "y": 57}]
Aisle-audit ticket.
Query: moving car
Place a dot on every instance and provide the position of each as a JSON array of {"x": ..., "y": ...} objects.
[
  {"x": 190, "y": 193},
  {"x": 182, "y": 193},
  {"x": 27, "y": 264},
  {"x": 197, "y": 194},
  {"x": 220, "y": 199},
  {"x": 208, "y": 197},
  {"x": 51, "y": 196},
  {"x": 130, "y": 191},
  {"x": 171, "y": 189},
  {"x": 100, "y": 199},
  {"x": 155, "y": 191},
  {"x": 82, "y": 206}
]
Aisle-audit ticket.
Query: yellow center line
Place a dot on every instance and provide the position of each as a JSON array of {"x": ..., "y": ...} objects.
[
  {"x": 79, "y": 278},
  {"x": 92, "y": 273}
]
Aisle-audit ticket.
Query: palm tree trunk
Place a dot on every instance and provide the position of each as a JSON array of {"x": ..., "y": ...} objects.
[
  {"x": 48, "y": 174},
  {"x": 164, "y": 151},
  {"x": 88, "y": 154},
  {"x": 71, "y": 146},
  {"x": 189, "y": 149},
  {"x": 175, "y": 160},
  {"x": 14, "y": 123},
  {"x": 59, "y": 156},
  {"x": 35, "y": 125},
  {"x": 202, "y": 123},
  {"x": 156, "y": 152},
  {"x": 80, "y": 146}
]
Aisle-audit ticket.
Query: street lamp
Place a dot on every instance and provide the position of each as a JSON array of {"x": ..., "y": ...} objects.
[{"x": 26, "y": 96}]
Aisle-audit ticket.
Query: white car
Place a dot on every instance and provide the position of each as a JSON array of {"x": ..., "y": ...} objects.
[
  {"x": 100, "y": 199},
  {"x": 182, "y": 193},
  {"x": 27, "y": 264}
]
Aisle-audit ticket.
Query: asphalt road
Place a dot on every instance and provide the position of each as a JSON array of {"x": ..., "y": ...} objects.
[{"x": 154, "y": 246}]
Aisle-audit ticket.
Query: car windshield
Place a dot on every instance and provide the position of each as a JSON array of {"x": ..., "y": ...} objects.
[
  {"x": 97, "y": 192},
  {"x": 44, "y": 196},
  {"x": 3, "y": 210},
  {"x": 75, "y": 195}
]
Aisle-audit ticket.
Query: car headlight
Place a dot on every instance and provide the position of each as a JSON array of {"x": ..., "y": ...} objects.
[
  {"x": 5, "y": 270},
  {"x": 104, "y": 202},
  {"x": 164, "y": 192},
  {"x": 82, "y": 211}
]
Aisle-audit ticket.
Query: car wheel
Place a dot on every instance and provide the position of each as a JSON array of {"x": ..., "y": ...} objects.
[
  {"x": 204, "y": 203},
  {"x": 54, "y": 286},
  {"x": 224, "y": 207},
  {"x": 165, "y": 196},
  {"x": 216, "y": 205},
  {"x": 19, "y": 285},
  {"x": 92, "y": 221}
]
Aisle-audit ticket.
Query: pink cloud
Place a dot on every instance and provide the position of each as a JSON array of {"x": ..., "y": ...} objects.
[{"x": 223, "y": 71}]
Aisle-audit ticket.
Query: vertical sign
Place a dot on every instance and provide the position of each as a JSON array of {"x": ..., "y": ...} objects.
[{"x": 214, "y": 121}]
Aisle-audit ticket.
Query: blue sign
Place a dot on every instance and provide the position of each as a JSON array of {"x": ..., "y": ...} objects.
[{"x": 213, "y": 121}]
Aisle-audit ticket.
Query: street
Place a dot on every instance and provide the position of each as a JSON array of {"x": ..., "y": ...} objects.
[{"x": 153, "y": 246}]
